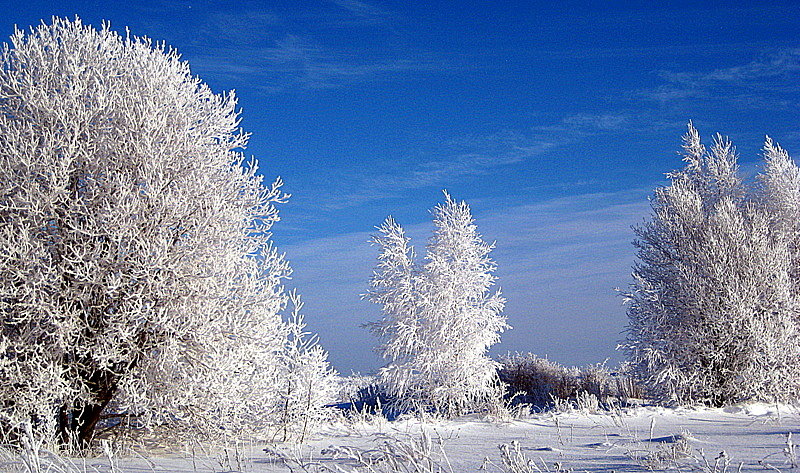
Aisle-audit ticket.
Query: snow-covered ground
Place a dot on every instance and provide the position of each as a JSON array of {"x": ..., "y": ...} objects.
[{"x": 755, "y": 436}]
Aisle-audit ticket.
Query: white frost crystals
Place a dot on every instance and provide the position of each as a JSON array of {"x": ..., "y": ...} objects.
[
  {"x": 136, "y": 268},
  {"x": 714, "y": 306},
  {"x": 439, "y": 319}
]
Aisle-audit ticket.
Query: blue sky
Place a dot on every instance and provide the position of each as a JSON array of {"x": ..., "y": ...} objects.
[{"x": 555, "y": 121}]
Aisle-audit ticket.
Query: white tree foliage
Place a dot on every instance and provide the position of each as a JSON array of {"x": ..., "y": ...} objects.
[
  {"x": 438, "y": 320},
  {"x": 394, "y": 285},
  {"x": 136, "y": 267},
  {"x": 780, "y": 195},
  {"x": 713, "y": 313}
]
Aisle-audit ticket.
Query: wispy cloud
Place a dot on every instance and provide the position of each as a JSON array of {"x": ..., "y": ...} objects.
[
  {"x": 558, "y": 264},
  {"x": 784, "y": 64},
  {"x": 598, "y": 122},
  {"x": 447, "y": 162},
  {"x": 444, "y": 163},
  {"x": 766, "y": 83},
  {"x": 306, "y": 48},
  {"x": 612, "y": 121},
  {"x": 365, "y": 13},
  {"x": 296, "y": 62},
  {"x": 579, "y": 126},
  {"x": 471, "y": 155},
  {"x": 669, "y": 93}
]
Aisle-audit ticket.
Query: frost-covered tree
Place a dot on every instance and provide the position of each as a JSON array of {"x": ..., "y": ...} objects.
[
  {"x": 136, "y": 269},
  {"x": 439, "y": 320},
  {"x": 712, "y": 309},
  {"x": 394, "y": 286},
  {"x": 780, "y": 195},
  {"x": 462, "y": 314}
]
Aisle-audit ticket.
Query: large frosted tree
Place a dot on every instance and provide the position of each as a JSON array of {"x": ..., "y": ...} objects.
[
  {"x": 136, "y": 269},
  {"x": 713, "y": 313},
  {"x": 440, "y": 319}
]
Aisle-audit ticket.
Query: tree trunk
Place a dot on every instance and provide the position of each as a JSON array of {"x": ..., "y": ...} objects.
[{"x": 77, "y": 423}]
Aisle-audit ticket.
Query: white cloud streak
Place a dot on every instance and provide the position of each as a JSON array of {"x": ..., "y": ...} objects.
[
  {"x": 448, "y": 161},
  {"x": 768, "y": 83}
]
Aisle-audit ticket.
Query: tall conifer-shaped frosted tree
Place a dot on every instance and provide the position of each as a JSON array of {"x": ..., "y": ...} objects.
[
  {"x": 712, "y": 309},
  {"x": 439, "y": 320},
  {"x": 136, "y": 269},
  {"x": 394, "y": 286},
  {"x": 462, "y": 313}
]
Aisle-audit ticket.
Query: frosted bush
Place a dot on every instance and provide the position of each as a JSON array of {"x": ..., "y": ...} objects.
[
  {"x": 714, "y": 303},
  {"x": 529, "y": 379}
]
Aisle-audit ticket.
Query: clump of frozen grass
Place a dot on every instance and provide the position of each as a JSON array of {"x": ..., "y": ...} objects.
[
  {"x": 422, "y": 454},
  {"x": 514, "y": 461},
  {"x": 721, "y": 463},
  {"x": 360, "y": 421},
  {"x": 587, "y": 402},
  {"x": 33, "y": 456},
  {"x": 675, "y": 452},
  {"x": 230, "y": 460},
  {"x": 544, "y": 384},
  {"x": 790, "y": 451},
  {"x": 667, "y": 453}
]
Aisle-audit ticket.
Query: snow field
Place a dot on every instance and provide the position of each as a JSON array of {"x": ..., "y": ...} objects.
[{"x": 755, "y": 437}]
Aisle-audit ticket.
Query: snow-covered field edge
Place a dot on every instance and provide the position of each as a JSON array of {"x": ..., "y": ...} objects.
[{"x": 751, "y": 437}]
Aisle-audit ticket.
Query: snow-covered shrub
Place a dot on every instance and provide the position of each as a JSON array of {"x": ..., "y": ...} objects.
[
  {"x": 540, "y": 382},
  {"x": 537, "y": 381},
  {"x": 438, "y": 319},
  {"x": 307, "y": 383},
  {"x": 136, "y": 266},
  {"x": 627, "y": 388},
  {"x": 713, "y": 308},
  {"x": 362, "y": 396},
  {"x": 369, "y": 400},
  {"x": 350, "y": 388},
  {"x": 598, "y": 381}
]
